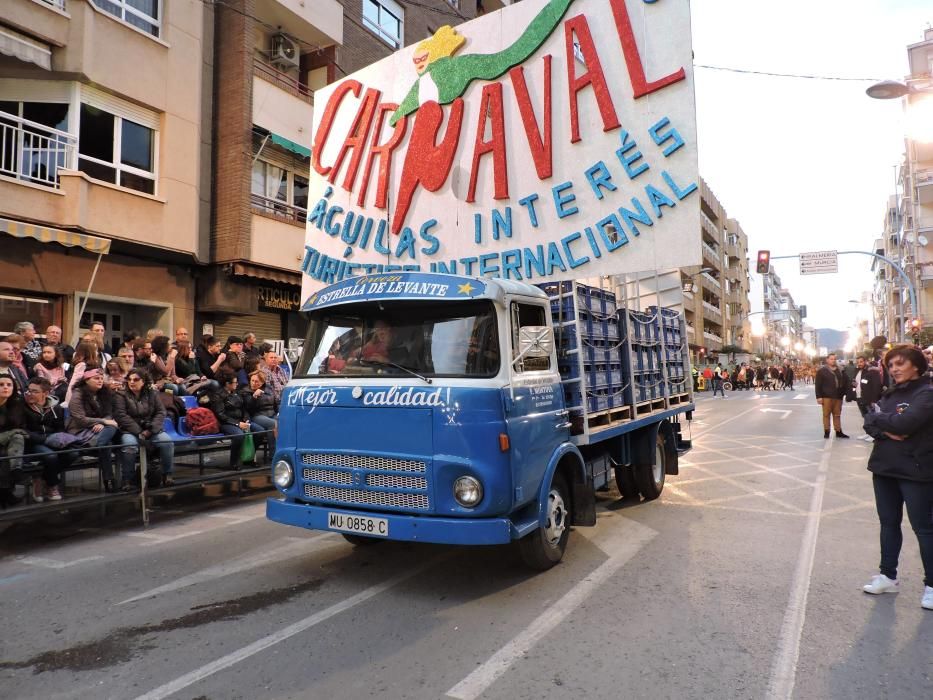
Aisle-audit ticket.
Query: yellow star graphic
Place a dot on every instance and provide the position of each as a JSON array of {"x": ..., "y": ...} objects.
[
  {"x": 465, "y": 288},
  {"x": 311, "y": 299}
]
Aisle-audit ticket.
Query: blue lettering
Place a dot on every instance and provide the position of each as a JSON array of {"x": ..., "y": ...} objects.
[
  {"x": 553, "y": 259},
  {"x": 529, "y": 203},
  {"x": 611, "y": 232},
  {"x": 679, "y": 193},
  {"x": 511, "y": 262},
  {"x": 501, "y": 225},
  {"x": 628, "y": 160},
  {"x": 485, "y": 268},
  {"x": 426, "y": 235},
  {"x": 561, "y": 201},
  {"x": 565, "y": 244},
  {"x": 531, "y": 259},
  {"x": 658, "y": 199},
  {"x": 661, "y": 138},
  {"x": 629, "y": 217},
  {"x": 598, "y": 176}
]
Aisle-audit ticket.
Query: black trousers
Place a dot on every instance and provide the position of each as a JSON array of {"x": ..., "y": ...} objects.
[{"x": 891, "y": 494}]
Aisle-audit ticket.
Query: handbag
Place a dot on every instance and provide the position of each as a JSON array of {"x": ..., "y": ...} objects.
[
  {"x": 60, "y": 441},
  {"x": 247, "y": 449}
]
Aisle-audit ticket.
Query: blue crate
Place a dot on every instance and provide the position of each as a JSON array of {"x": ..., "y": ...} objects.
[{"x": 567, "y": 298}]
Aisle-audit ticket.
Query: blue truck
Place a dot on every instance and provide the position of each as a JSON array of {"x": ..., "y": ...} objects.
[{"x": 449, "y": 409}]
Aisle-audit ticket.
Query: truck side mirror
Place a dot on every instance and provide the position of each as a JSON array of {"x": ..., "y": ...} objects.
[{"x": 535, "y": 341}]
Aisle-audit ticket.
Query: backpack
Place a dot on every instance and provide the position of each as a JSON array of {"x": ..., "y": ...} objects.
[{"x": 202, "y": 421}]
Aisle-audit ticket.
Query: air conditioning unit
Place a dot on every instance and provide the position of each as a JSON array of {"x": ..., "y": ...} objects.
[{"x": 284, "y": 52}]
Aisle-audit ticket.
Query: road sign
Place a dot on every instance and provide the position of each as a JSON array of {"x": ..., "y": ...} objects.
[{"x": 819, "y": 263}]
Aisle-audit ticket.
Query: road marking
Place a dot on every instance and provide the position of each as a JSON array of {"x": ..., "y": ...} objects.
[
  {"x": 248, "y": 561},
  {"x": 162, "y": 539},
  {"x": 783, "y": 413},
  {"x": 625, "y": 538},
  {"x": 800, "y": 397},
  {"x": 172, "y": 687},
  {"x": 722, "y": 423},
  {"x": 55, "y": 563},
  {"x": 784, "y": 670}
]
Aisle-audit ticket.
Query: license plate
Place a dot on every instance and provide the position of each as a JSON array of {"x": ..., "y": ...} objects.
[{"x": 377, "y": 527}]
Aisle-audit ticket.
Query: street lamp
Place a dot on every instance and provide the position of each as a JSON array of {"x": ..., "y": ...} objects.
[
  {"x": 689, "y": 286},
  {"x": 893, "y": 89}
]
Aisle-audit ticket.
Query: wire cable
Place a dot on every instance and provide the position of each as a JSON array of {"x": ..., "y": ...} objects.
[{"x": 786, "y": 75}]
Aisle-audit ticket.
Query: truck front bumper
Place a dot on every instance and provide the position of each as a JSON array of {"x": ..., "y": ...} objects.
[{"x": 410, "y": 528}]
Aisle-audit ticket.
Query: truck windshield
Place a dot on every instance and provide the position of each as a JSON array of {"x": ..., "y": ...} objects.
[{"x": 432, "y": 339}]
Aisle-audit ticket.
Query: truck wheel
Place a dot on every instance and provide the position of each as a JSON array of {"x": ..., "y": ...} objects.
[
  {"x": 650, "y": 477},
  {"x": 544, "y": 547},
  {"x": 625, "y": 481},
  {"x": 360, "y": 541}
]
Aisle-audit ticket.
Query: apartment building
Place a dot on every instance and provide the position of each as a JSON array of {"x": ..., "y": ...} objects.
[
  {"x": 270, "y": 57},
  {"x": 102, "y": 117},
  {"x": 737, "y": 285}
]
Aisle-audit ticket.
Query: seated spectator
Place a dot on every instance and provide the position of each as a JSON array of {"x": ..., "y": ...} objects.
[
  {"x": 275, "y": 376},
  {"x": 250, "y": 349},
  {"x": 261, "y": 406},
  {"x": 229, "y": 405},
  {"x": 32, "y": 346},
  {"x": 163, "y": 359},
  {"x": 45, "y": 416},
  {"x": 53, "y": 336},
  {"x": 51, "y": 368},
  {"x": 209, "y": 356},
  {"x": 91, "y": 409},
  {"x": 251, "y": 364},
  {"x": 18, "y": 343},
  {"x": 12, "y": 440},
  {"x": 86, "y": 357},
  {"x": 186, "y": 365},
  {"x": 234, "y": 359},
  {"x": 9, "y": 368},
  {"x": 141, "y": 415},
  {"x": 142, "y": 351},
  {"x": 181, "y": 336},
  {"x": 98, "y": 330},
  {"x": 130, "y": 337},
  {"x": 115, "y": 377},
  {"x": 154, "y": 333}
]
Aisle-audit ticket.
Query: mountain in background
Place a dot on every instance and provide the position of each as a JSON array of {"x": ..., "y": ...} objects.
[{"x": 831, "y": 339}]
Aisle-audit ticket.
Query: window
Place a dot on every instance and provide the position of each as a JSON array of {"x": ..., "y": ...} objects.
[
  {"x": 527, "y": 315},
  {"x": 142, "y": 14},
  {"x": 386, "y": 19},
  {"x": 14, "y": 308},
  {"x": 276, "y": 190},
  {"x": 117, "y": 150}
]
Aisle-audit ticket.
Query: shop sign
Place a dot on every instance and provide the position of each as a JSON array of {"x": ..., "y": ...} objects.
[
  {"x": 551, "y": 139},
  {"x": 279, "y": 299}
]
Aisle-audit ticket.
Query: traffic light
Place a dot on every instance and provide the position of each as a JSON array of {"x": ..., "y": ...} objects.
[
  {"x": 764, "y": 261},
  {"x": 803, "y": 311},
  {"x": 916, "y": 325}
]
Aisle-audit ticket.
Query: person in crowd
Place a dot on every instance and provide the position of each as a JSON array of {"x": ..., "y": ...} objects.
[
  {"x": 51, "y": 368},
  {"x": 250, "y": 349},
  {"x": 251, "y": 364},
  {"x": 163, "y": 358},
  {"x": 130, "y": 337},
  {"x": 901, "y": 463},
  {"x": 234, "y": 359},
  {"x": 209, "y": 356},
  {"x": 12, "y": 440},
  {"x": 19, "y": 360},
  {"x": 186, "y": 364},
  {"x": 154, "y": 333},
  {"x": 142, "y": 351},
  {"x": 788, "y": 376},
  {"x": 53, "y": 336},
  {"x": 32, "y": 346},
  {"x": 100, "y": 332},
  {"x": 86, "y": 357},
  {"x": 261, "y": 405},
  {"x": 229, "y": 405},
  {"x": 91, "y": 408},
  {"x": 928, "y": 354},
  {"x": 115, "y": 377},
  {"x": 45, "y": 416},
  {"x": 9, "y": 368},
  {"x": 867, "y": 385},
  {"x": 140, "y": 415},
  {"x": 275, "y": 376},
  {"x": 717, "y": 381},
  {"x": 831, "y": 386},
  {"x": 181, "y": 336}
]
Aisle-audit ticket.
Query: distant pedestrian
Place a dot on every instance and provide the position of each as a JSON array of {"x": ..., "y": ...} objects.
[
  {"x": 788, "y": 376},
  {"x": 718, "y": 380},
  {"x": 867, "y": 385},
  {"x": 831, "y": 387},
  {"x": 901, "y": 463}
]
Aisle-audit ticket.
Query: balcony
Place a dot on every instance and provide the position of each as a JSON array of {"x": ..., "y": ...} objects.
[
  {"x": 318, "y": 23},
  {"x": 45, "y": 20},
  {"x": 713, "y": 310},
  {"x": 712, "y": 336},
  {"x": 712, "y": 280},
  {"x": 924, "y": 180},
  {"x": 690, "y": 329},
  {"x": 278, "y": 210},
  {"x": 284, "y": 81},
  {"x": 710, "y": 254},
  {"x": 34, "y": 153},
  {"x": 281, "y": 104}
]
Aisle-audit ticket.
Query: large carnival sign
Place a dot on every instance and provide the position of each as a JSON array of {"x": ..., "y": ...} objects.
[{"x": 552, "y": 139}]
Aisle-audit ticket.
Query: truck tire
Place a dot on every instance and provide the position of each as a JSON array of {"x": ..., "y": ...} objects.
[
  {"x": 360, "y": 541},
  {"x": 650, "y": 477},
  {"x": 625, "y": 481},
  {"x": 544, "y": 547}
]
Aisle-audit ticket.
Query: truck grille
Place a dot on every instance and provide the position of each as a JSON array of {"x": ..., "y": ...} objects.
[{"x": 362, "y": 480}]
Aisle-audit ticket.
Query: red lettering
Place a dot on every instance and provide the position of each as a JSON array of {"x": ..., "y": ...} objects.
[
  {"x": 636, "y": 71},
  {"x": 427, "y": 163},
  {"x": 384, "y": 153},
  {"x": 540, "y": 147},
  {"x": 356, "y": 139},
  {"x": 593, "y": 76},
  {"x": 327, "y": 121},
  {"x": 490, "y": 106}
]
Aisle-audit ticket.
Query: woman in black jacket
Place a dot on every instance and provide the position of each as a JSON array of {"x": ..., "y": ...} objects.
[
  {"x": 261, "y": 406},
  {"x": 229, "y": 405},
  {"x": 91, "y": 409},
  {"x": 12, "y": 439},
  {"x": 141, "y": 415},
  {"x": 901, "y": 463}
]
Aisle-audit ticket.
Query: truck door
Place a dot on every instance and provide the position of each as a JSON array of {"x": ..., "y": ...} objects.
[{"x": 535, "y": 416}]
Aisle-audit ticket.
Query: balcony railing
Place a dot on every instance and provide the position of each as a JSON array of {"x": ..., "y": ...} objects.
[
  {"x": 712, "y": 309},
  {"x": 34, "y": 153},
  {"x": 712, "y": 336},
  {"x": 263, "y": 70},
  {"x": 713, "y": 255},
  {"x": 712, "y": 280},
  {"x": 60, "y": 4},
  {"x": 278, "y": 210}
]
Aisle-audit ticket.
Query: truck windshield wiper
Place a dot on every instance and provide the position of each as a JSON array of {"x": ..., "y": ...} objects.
[{"x": 385, "y": 363}]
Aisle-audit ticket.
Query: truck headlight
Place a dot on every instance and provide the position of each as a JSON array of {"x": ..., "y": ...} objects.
[
  {"x": 468, "y": 491},
  {"x": 282, "y": 474}
]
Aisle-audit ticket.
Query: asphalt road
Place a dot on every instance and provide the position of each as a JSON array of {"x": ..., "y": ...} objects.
[{"x": 742, "y": 581}]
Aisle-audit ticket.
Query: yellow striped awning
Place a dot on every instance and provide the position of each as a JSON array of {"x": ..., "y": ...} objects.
[{"x": 45, "y": 234}]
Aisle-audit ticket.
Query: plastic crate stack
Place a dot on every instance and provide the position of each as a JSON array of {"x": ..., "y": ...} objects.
[
  {"x": 647, "y": 346},
  {"x": 673, "y": 349},
  {"x": 586, "y": 329}
]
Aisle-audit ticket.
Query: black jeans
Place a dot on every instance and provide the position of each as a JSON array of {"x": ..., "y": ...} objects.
[{"x": 890, "y": 496}]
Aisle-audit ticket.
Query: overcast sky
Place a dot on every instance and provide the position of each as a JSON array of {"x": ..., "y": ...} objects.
[{"x": 804, "y": 165}]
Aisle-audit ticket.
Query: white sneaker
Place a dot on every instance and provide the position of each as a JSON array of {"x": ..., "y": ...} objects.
[
  {"x": 882, "y": 584},
  {"x": 927, "y": 601}
]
